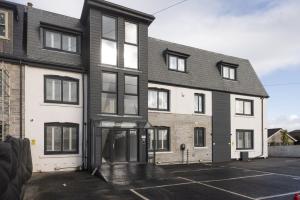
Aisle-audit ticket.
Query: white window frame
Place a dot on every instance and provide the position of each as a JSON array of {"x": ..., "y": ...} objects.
[{"x": 6, "y": 24}]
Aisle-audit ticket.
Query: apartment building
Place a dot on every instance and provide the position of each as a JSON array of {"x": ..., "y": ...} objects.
[{"x": 97, "y": 90}]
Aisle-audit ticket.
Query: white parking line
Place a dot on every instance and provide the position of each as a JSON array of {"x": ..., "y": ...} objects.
[
  {"x": 278, "y": 195},
  {"x": 196, "y": 170},
  {"x": 217, "y": 188},
  {"x": 241, "y": 177},
  {"x": 161, "y": 186},
  {"x": 254, "y": 170},
  {"x": 138, "y": 194}
]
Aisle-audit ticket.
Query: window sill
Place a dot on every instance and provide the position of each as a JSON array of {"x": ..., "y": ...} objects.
[
  {"x": 61, "y": 51},
  {"x": 200, "y": 148},
  {"x": 162, "y": 152},
  {"x": 61, "y": 105},
  {"x": 245, "y": 150},
  {"x": 159, "y": 111},
  {"x": 200, "y": 114},
  {"x": 244, "y": 116},
  {"x": 61, "y": 156},
  {"x": 4, "y": 38}
]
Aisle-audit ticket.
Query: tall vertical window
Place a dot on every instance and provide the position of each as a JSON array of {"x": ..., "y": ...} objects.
[
  {"x": 244, "y": 139},
  {"x": 244, "y": 107},
  {"x": 131, "y": 95},
  {"x": 131, "y": 46},
  {"x": 199, "y": 103},
  {"x": 159, "y": 139},
  {"x": 60, "y": 41},
  {"x": 3, "y": 24},
  {"x": 61, "y": 90},
  {"x": 158, "y": 99},
  {"x": 229, "y": 72},
  {"x": 61, "y": 138},
  {"x": 109, "y": 93},
  {"x": 109, "y": 41},
  {"x": 199, "y": 137}
]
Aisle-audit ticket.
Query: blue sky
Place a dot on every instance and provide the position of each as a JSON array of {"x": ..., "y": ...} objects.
[{"x": 267, "y": 32}]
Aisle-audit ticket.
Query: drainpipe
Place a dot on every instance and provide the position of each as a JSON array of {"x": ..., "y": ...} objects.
[{"x": 83, "y": 123}]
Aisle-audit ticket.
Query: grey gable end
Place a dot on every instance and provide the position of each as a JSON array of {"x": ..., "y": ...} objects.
[{"x": 202, "y": 70}]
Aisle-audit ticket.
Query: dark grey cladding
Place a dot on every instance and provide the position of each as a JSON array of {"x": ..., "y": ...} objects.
[{"x": 202, "y": 70}]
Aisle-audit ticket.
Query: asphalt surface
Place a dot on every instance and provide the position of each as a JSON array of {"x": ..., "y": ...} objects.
[{"x": 274, "y": 178}]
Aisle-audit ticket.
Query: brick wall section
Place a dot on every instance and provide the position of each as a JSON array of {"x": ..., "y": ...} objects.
[{"x": 182, "y": 132}]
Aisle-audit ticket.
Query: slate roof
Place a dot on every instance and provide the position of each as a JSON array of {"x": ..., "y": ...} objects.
[
  {"x": 202, "y": 70},
  {"x": 272, "y": 131},
  {"x": 295, "y": 134}
]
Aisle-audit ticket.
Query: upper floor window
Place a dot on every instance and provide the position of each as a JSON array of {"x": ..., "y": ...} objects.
[
  {"x": 244, "y": 107},
  {"x": 158, "y": 99},
  {"x": 3, "y": 24},
  {"x": 131, "y": 46},
  {"x": 61, "y": 138},
  {"x": 60, "y": 41},
  {"x": 61, "y": 90},
  {"x": 109, "y": 93},
  {"x": 199, "y": 103},
  {"x": 199, "y": 137},
  {"x": 229, "y": 72},
  {"x": 177, "y": 63},
  {"x": 131, "y": 95},
  {"x": 244, "y": 139},
  {"x": 109, "y": 41}
]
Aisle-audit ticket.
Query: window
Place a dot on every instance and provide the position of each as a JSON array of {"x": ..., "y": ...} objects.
[
  {"x": 109, "y": 41},
  {"x": 158, "y": 99},
  {"x": 109, "y": 93},
  {"x": 244, "y": 139},
  {"x": 61, "y": 138},
  {"x": 131, "y": 95},
  {"x": 199, "y": 137},
  {"x": 61, "y": 90},
  {"x": 159, "y": 139},
  {"x": 131, "y": 46},
  {"x": 3, "y": 24},
  {"x": 244, "y": 107},
  {"x": 229, "y": 72},
  {"x": 60, "y": 41},
  {"x": 199, "y": 103},
  {"x": 177, "y": 63}
]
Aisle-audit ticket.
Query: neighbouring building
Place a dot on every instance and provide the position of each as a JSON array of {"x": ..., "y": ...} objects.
[
  {"x": 275, "y": 137},
  {"x": 296, "y": 135},
  {"x": 97, "y": 90}
]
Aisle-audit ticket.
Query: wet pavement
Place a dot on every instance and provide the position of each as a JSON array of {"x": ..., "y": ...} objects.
[{"x": 274, "y": 178}]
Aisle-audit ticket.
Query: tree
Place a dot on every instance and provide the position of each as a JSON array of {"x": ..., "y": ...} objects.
[{"x": 285, "y": 138}]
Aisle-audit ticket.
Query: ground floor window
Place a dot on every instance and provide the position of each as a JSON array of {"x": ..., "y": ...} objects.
[
  {"x": 244, "y": 139},
  {"x": 61, "y": 138},
  {"x": 159, "y": 139},
  {"x": 199, "y": 137}
]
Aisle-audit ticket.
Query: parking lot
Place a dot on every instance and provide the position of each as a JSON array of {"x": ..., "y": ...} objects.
[{"x": 273, "y": 178}]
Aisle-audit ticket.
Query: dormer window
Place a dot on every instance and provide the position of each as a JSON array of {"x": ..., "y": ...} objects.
[
  {"x": 176, "y": 61},
  {"x": 3, "y": 24},
  {"x": 228, "y": 70}
]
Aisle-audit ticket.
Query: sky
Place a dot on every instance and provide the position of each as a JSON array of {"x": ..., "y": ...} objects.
[{"x": 267, "y": 32}]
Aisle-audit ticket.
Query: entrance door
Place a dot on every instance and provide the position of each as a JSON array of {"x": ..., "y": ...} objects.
[{"x": 119, "y": 145}]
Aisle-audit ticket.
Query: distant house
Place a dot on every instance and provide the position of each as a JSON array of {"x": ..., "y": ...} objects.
[
  {"x": 295, "y": 134},
  {"x": 275, "y": 137}
]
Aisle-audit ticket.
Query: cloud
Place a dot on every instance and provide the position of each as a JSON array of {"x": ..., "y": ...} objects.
[
  {"x": 264, "y": 31},
  {"x": 290, "y": 123}
]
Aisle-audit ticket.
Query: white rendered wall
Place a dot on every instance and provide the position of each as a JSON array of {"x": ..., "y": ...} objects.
[
  {"x": 252, "y": 123},
  {"x": 182, "y": 99},
  {"x": 37, "y": 113}
]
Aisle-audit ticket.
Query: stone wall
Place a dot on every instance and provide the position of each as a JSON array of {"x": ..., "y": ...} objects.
[
  {"x": 16, "y": 111},
  {"x": 182, "y": 132}
]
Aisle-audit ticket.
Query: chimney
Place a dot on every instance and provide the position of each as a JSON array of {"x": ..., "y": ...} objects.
[{"x": 29, "y": 4}]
